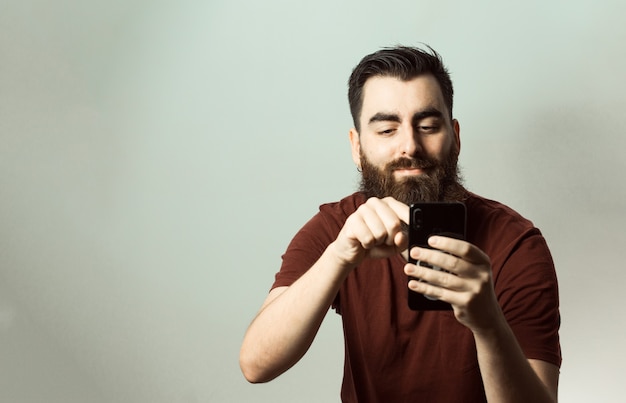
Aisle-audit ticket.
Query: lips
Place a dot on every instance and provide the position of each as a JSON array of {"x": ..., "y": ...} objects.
[
  {"x": 412, "y": 167},
  {"x": 409, "y": 172}
]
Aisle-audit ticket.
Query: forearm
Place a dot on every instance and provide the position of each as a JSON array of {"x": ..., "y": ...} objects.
[
  {"x": 506, "y": 372},
  {"x": 285, "y": 327}
]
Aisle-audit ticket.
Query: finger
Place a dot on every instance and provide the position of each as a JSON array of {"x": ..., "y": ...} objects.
[
  {"x": 400, "y": 209},
  {"x": 436, "y": 278},
  {"x": 462, "y": 249},
  {"x": 381, "y": 221},
  {"x": 401, "y": 212},
  {"x": 456, "y": 298},
  {"x": 375, "y": 224},
  {"x": 401, "y": 240},
  {"x": 427, "y": 289},
  {"x": 386, "y": 216},
  {"x": 444, "y": 260},
  {"x": 365, "y": 229},
  {"x": 383, "y": 251}
]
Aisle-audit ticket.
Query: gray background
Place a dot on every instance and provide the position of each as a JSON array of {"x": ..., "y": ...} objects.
[{"x": 156, "y": 157}]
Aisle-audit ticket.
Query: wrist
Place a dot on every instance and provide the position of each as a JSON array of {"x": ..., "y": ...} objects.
[
  {"x": 497, "y": 329},
  {"x": 337, "y": 260}
]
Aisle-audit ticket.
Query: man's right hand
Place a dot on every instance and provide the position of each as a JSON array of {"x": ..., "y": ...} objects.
[
  {"x": 374, "y": 230},
  {"x": 290, "y": 317}
]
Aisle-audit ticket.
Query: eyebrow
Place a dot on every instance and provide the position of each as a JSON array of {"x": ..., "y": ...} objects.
[
  {"x": 385, "y": 117},
  {"x": 394, "y": 117}
]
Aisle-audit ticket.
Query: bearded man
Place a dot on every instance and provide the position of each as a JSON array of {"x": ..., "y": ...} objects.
[{"x": 500, "y": 341}]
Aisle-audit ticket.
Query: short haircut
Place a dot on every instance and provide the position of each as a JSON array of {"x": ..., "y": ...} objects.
[{"x": 402, "y": 62}]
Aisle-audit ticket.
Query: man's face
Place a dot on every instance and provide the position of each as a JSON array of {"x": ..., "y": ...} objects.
[{"x": 408, "y": 145}]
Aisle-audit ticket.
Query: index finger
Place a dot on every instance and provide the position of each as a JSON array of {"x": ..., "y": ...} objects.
[{"x": 401, "y": 209}]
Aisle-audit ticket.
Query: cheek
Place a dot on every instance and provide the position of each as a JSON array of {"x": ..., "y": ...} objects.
[
  {"x": 377, "y": 154},
  {"x": 439, "y": 148}
]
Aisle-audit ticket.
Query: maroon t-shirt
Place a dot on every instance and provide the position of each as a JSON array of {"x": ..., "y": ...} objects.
[{"x": 394, "y": 354}]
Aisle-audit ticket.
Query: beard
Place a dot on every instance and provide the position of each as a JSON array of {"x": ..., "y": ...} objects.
[{"x": 441, "y": 180}]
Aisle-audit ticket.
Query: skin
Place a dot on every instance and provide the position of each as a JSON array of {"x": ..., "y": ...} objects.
[{"x": 399, "y": 119}]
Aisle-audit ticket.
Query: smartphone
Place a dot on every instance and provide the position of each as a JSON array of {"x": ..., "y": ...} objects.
[{"x": 426, "y": 220}]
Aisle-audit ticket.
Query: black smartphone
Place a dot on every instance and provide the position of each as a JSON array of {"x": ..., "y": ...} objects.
[{"x": 426, "y": 220}]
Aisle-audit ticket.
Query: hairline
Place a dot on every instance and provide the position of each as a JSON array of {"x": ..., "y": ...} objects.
[{"x": 404, "y": 80}]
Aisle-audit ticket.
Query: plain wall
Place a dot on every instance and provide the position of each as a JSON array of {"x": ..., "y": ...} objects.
[{"x": 156, "y": 158}]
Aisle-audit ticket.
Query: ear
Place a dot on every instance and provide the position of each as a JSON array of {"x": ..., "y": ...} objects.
[
  {"x": 457, "y": 134},
  {"x": 355, "y": 145}
]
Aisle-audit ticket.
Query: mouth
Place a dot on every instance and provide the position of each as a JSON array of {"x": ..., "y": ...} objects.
[{"x": 409, "y": 171}]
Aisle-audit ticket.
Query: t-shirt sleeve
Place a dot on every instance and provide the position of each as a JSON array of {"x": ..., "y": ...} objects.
[
  {"x": 527, "y": 290},
  {"x": 305, "y": 249}
]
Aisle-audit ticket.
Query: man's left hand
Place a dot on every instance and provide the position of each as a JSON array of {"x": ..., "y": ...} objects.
[{"x": 465, "y": 281}]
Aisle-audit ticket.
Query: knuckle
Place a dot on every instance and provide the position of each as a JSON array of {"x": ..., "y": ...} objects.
[
  {"x": 379, "y": 235},
  {"x": 465, "y": 249},
  {"x": 454, "y": 263},
  {"x": 443, "y": 279},
  {"x": 368, "y": 241},
  {"x": 372, "y": 201}
]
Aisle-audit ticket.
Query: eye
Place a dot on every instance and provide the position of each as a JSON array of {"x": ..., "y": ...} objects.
[
  {"x": 386, "y": 132},
  {"x": 428, "y": 129},
  {"x": 429, "y": 125}
]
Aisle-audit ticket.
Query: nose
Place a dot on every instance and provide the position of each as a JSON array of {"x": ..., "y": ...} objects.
[{"x": 410, "y": 143}]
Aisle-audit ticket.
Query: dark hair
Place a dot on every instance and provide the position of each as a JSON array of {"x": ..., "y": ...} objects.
[{"x": 402, "y": 62}]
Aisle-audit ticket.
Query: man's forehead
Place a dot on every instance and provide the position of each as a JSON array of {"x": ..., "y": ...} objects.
[{"x": 390, "y": 94}]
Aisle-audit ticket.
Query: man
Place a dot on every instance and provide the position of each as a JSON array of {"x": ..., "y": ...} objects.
[{"x": 499, "y": 343}]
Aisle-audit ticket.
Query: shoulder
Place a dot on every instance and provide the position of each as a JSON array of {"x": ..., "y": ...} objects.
[
  {"x": 324, "y": 226},
  {"x": 485, "y": 214},
  {"x": 501, "y": 231},
  {"x": 343, "y": 208},
  {"x": 314, "y": 237}
]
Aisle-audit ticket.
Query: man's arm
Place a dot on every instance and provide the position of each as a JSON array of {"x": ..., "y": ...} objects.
[
  {"x": 467, "y": 284},
  {"x": 288, "y": 321},
  {"x": 507, "y": 375}
]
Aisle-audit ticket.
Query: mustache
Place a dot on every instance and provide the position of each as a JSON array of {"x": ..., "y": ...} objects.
[{"x": 412, "y": 163}]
